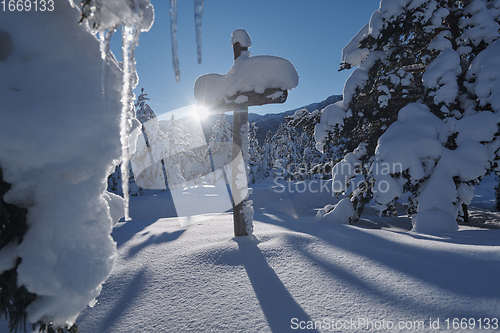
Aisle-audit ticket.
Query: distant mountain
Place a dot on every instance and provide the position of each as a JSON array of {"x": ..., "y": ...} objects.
[
  {"x": 271, "y": 121},
  {"x": 265, "y": 123}
]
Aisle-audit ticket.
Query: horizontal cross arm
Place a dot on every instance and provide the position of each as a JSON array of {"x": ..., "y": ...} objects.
[{"x": 248, "y": 98}]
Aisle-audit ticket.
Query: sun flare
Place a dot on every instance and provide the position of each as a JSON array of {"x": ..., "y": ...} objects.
[{"x": 202, "y": 112}]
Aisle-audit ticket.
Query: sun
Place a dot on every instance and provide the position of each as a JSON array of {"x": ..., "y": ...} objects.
[{"x": 202, "y": 112}]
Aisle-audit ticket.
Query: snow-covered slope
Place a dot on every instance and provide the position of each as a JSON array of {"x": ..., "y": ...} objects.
[
  {"x": 295, "y": 272},
  {"x": 201, "y": 279}
]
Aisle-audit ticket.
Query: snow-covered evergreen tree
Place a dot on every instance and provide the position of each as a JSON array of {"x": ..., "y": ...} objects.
[
  {"x": 497, "y": 194},
  {"x": 115, "y": 183},
  {"x": 256, "y": 156},
  {"x": 314, "y": 161},
  {"x": 423, "y": 103},
  {"x": 143, "y": 112},
  {"x": 54, "y": 172},
  {"x": 174, "y": 154},
  {"x": 199, "y": 162},
  {"x": 149, "y": 124},
  {"x": 221, "y": 147},
  {"x": 268, "y": 160},
  {"x": 150, "y": 146},
  {"x": 185, "y": 156},
  {"x": 285, "y": 152}
]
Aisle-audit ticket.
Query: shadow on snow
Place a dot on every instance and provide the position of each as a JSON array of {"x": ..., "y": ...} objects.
[
  {"x": 458, "y": 272},
  {"x": 278, "y": 306}
]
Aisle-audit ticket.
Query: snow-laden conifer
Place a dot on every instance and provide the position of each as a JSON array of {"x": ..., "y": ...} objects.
[
  {"x": 221, "y": 148},
  {"x": 418, "y": 60}
]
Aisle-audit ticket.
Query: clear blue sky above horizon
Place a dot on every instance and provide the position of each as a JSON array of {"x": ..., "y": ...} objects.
[{"x": 310, "y": 34}]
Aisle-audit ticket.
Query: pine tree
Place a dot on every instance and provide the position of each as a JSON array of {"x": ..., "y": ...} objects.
[
  {"x": 268, "y": 161},
  {"x": 147, "y": 161},
  {"x": 497, "y": 194},
  {"x": 115, "y": 180},
  {"x": 285, "y": 152},
  {"x": 201, "y": 167},
  {"x": 143, "y": 112},
  {"x": 177, "y": 154},
  {"x": 256, "y": 156},
  {"x": 152, "y": 135},
  {"x": 314, "y": 161},
  {"x": 221, "y": 148},
  {"x": 416, "y": 60},
  {"x": 15, "y": 299}
]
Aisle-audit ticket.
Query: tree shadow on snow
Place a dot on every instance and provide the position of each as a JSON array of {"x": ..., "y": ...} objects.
[
  {"x": 119, "y": 297},
  {"x": 155, "y": 239},
  {"x": 278, "y": 306},
  {"x": 128, "y": 230},
  {"x": 446, "y": 268},
  {"x": 128, "y": 296}
]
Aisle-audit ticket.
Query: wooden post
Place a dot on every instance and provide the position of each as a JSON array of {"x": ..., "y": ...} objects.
[
  {"x": 237, "y": 49},
  {"x": 240, "y": 117},
  {"x": 233, "y": 103}
]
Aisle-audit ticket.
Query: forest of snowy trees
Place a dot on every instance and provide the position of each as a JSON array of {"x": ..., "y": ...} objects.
[
  {"x": 418, "y": 124},
  {"x": 287, "y": 154}
]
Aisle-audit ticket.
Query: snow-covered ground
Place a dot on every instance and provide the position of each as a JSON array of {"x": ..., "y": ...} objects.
[{"x": 296, "y": 272}]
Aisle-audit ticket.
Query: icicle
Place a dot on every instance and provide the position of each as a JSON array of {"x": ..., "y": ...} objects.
[
  {"x": 130, "y": 37},
  {"x": 198, "y": 11},
  {"x": 104, "y": 42},
  {"x": 173, "y": 37}
]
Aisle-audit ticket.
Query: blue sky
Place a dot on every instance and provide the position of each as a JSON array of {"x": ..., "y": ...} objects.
[{"x": 311, "y": 34}]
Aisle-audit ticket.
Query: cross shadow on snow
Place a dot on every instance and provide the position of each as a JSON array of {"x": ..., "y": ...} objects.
[
  {"x": 278, "y": 306},
  {"x": 447, "y": 269}
]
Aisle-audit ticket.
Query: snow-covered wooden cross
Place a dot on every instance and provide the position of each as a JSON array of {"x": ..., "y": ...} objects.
[{"x": 251, "y": 81}]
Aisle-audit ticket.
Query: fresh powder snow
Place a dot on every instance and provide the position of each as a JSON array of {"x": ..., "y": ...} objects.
[
  {"x": 200, "y": 278},
  {"x": 331, "y": 116},
  {"x": 247, "y": 74},
  {"x": 242, "y": 37}
]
